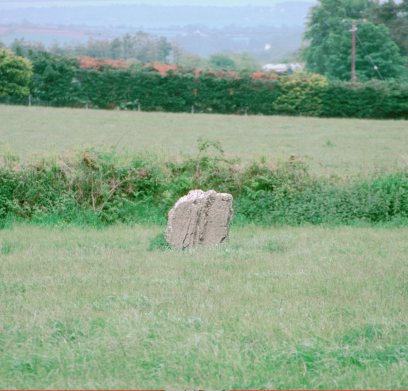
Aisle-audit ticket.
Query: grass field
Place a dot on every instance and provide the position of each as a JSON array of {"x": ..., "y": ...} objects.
[
  {"x": 274, "y": 308},
  {"x": 329, "y": 146},
  {"x": 281, "y": 307}
]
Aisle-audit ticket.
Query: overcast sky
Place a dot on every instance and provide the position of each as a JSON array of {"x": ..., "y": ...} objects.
[{"x": 24, "y": 3}]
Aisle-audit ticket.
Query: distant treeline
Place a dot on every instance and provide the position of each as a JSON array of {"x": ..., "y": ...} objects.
[
  {"x": 60, "y": 81},
  {"x": 140, "y": 47}
]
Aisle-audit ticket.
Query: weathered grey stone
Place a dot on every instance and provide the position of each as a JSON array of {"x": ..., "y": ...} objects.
[{"x": 199, "y": 218}]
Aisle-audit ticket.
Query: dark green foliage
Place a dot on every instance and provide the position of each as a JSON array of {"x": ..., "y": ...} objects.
[
  {"x": 221, "y": 61},
  {"x": 376, "y": 200},
  {"x": 329, "y": 42},
  {"x": 375, "y": 46},
  {"x": 373, "y": 99},
  {"x": 325, "y": 24},
  {"x": 394, "y": 15},
  {"x": 55, "y": 80},
  {"x": 97, "y": 189},
  {"x": 15, "y": 74},
  {"x": 374, "y": 49},
  {"x": 127, "y": 89},
  {"x": 59, "y": 81},
  {"x": 158, "y": 243}
]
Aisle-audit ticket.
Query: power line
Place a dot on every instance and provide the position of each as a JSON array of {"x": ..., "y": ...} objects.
[
  {"x": 353, "y": 52},
  {"x": 369, "y": 57},
  {"x": 364, "y": 49},
  {"x": 354, "y": 32}
]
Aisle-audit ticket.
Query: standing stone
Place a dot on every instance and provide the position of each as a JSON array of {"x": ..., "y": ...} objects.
[{"x": 199, "y": 218}]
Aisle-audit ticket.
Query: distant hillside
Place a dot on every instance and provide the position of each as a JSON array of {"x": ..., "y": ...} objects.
[
  {"x": 148, "y": 16},
  {"x": 269, "y": 33}
]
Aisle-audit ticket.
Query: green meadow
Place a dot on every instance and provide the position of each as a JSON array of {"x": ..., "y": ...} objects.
[
  {"x": 307, "y": 307},
  {"x": 275, "y": 307},
  {"x": 328, "y": 146}
]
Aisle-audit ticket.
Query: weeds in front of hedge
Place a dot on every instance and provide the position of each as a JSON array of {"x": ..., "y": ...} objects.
[{"x": 98, "y": 188}]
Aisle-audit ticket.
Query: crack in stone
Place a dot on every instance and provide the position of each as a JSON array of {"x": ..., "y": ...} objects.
[{"x": 199, "y": 218}]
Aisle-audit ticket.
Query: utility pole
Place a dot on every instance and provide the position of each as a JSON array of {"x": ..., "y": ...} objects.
[{"x": 353, "y": 52}]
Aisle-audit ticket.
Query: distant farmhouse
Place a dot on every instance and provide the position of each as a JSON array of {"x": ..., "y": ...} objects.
[{"x": 283, "y": 68}]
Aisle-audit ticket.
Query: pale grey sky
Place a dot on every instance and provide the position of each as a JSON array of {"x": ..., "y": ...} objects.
[{"x": 25, "y": 3}]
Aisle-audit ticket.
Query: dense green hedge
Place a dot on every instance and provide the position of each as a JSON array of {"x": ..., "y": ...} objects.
[
  {"x": 365, "y": 100},
  {"x": 60, "y": 81},
  {"x": 100, "y": 188}
]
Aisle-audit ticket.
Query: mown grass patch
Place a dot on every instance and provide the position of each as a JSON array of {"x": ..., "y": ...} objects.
[{"x": 338, "y": 147}]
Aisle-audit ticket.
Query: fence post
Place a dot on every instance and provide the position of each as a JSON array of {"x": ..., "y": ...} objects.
[
  {"x": 192, "y": 109},
  {"x": 29, "y": 100}
]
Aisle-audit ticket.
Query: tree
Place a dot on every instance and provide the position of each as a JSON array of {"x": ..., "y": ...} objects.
[
  {"x": 188, "y": 60},
  {"x": 140, "y": 46},
  {"x": 55, "y": 78},
  {"x": 15, "y": 74},
  {"x": 245, "y": 61},
  {"x": 377, "y": 56},
  {"x": 329, "y": 50},
  {"x": 22, "y": 48},
  {"x": 221, "y": 61},
  {"x": 395, "y": 17}
]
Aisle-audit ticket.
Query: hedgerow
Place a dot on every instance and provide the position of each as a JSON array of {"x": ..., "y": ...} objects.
[
  {"x": 103, "y": 188},
  {"x": 60, "y": 81}
]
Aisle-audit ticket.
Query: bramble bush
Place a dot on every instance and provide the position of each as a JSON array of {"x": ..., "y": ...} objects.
[{"x": 103, "y": 188}]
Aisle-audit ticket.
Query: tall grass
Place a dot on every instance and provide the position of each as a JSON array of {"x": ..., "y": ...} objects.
[
  {"x": 291, "y": 308},
  {"x": 104, "y": 187}
]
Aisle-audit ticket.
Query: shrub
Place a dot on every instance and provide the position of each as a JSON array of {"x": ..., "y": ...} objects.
[
  {"x": 15, "y": 74},
  {"x": 101, "y": 188},
  {"x": 301, "y": 95}
]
